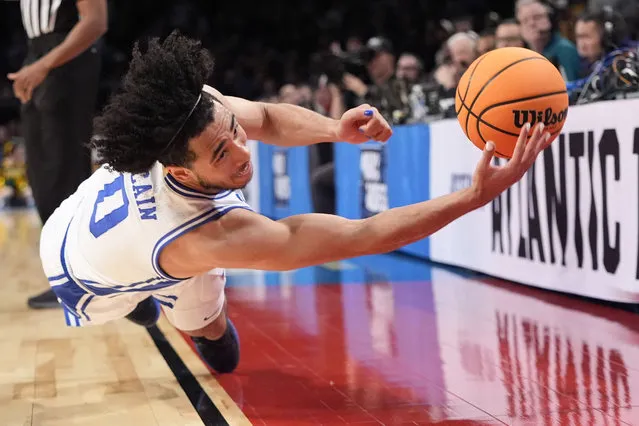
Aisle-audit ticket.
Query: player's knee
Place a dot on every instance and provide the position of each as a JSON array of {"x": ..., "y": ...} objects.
[{"x": 212, "y": 331}]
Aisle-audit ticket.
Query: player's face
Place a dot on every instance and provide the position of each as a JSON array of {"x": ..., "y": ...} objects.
[{"x": 222, "y": 159}]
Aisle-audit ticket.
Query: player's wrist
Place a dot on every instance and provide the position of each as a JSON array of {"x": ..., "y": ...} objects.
[
  {"x": 334, "y": 130},
  {"x": 473, "y": 198}
]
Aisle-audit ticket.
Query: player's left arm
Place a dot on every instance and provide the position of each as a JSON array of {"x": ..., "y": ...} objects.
[{"x": 292, "y": 125}]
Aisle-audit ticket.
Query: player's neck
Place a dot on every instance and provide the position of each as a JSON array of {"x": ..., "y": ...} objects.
[{"x": 195, "y": 186}]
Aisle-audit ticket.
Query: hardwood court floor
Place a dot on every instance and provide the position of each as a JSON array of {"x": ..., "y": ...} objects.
[
  {"x": 382, "y": 340},
  {"x": 110, "y": 375}
]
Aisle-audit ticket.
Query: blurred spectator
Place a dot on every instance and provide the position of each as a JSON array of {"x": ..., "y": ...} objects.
[
  {"x": 453, "y": 59},
  {"x": 508, "y": 34},
  {"x": 540, "y": 31},
  {"x": 411, "y": 84},
  {"x": 387, "y": 93},
  {"x": 380, "y": 58},
  {"x": 269, "y": 90},
  {"x": 588, "y": 34},
  {"x": 289, "y": 94},
  {"x": 491, "y": 20},
  {"x": 409, "y": 68},
  {"x": 598, "y": 33},
  {"x": 486, "y": 41},
  {"x": 463, "y": 48},
  {"x": 458, "y": 52},
  {"x": 305, "y": 95},
  {"x": 463, "y": 23},
  {"x": 328, "y": 100},
  {"x": 353, "y": 44},
  {"x": 444, "y": 73}
]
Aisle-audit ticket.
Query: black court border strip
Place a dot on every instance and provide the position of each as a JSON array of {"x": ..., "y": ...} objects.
[{"x": 205, "y": 408}]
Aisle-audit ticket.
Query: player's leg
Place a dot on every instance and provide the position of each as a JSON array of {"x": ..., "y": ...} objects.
[
  {"x": 198, "y": 308},
  {"x": 218, "y": 343}
]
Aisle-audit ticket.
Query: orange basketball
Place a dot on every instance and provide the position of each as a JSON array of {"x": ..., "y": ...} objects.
[{"x": 505, "y": 89}]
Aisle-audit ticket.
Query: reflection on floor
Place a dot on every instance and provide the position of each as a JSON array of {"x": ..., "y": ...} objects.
[
  {"x": 390, "y": 340},
  {"x": 377, "y": 340}
]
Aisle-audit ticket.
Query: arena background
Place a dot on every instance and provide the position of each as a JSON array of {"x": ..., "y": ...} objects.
[
  {"x": 570, "y": 226},
  {"x": 285, "y": 52}
]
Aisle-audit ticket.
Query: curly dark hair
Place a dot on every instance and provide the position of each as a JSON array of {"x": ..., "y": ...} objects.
[{"x": 158, "y": 92}]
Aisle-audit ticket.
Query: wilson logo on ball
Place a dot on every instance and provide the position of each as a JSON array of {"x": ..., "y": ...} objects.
[{"x": 548, "y": 117}]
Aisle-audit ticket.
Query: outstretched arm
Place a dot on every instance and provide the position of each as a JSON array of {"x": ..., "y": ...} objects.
[
  {"x": 244, "y": 239},
  {"x": 291, "y": 125}
]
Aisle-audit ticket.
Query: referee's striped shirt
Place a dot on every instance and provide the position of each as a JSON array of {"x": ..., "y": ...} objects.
[{"x": 41, "y": 17}]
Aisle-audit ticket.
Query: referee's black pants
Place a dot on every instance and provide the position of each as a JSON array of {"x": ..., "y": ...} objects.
[{"x": 57, "y": 124}]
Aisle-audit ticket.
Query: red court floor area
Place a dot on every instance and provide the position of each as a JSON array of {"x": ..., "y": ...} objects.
[{"x": 390, "y": 340}]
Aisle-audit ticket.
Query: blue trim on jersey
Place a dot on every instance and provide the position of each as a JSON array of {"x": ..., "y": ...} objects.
[
  {"x": 83, "y": 309},
  {"x": 132, "y": 285},
  {"x": 108, "y": 291},
  {"x": 162, "y": 302},
  {"x": 104, "y": 290},
  {"x": 70, "y": 318},
  {"x": 58, "y": 277},
  {"x": 185, "y": 191},
  {"x": 71, "y": 295},
  {"x": 172, "y": 297},
  {"x": 206, "y": 217},
  {"x": 70, "y": 292}
]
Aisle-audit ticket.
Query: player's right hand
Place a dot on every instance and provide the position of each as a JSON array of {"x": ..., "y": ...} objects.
[{"x": 489, "y": 181}]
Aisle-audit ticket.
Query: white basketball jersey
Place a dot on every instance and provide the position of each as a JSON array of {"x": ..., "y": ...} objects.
[{"x": 118, "y": 224}]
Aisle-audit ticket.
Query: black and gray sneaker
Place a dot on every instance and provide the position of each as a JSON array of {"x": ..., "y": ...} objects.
[
  {"x": 223, "y": 354},
  {"x": 45, "y": 300}
]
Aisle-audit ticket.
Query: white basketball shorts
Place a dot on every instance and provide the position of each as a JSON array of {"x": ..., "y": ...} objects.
[{"x": 189, "y": 304}]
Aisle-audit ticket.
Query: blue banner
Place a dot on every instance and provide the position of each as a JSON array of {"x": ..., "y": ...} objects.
[
  {"x": 373, "y": 177},
  {"x": 284, "y": 181},
  {"x": 265, "y": 174}
]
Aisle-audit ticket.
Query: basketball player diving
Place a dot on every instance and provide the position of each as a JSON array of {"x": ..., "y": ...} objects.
[{"x": 164, "y": 215}]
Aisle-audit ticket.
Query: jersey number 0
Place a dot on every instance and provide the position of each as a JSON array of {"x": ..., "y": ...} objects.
[{"x": 111, "y": 206}]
